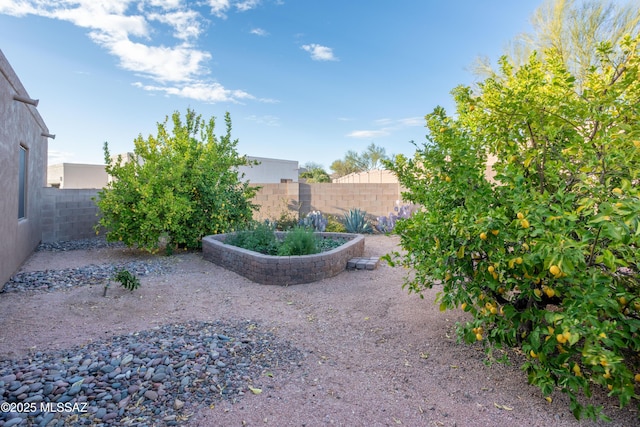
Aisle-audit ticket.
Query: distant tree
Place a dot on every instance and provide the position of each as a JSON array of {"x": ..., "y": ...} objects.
[
  {"x": 574, "y": 30},
  {"x": 370, "y": 158},
  {"x": 315, "y": 173}
]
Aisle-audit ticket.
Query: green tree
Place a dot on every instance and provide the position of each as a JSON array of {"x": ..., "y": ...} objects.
[
  {"x": 547, "y": 258},
  {"x": 181, "y": 185},
  {"x": 371, "y": 158},
  {"x": 314, "y": 172}
]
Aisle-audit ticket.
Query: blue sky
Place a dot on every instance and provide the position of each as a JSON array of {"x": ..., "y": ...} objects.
[{"x": 303, "y": 80}]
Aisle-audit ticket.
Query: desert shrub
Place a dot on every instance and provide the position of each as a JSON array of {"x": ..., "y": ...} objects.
[
  {"x": 546, "y": 258},
  {"x": 355, "y": 221},
  {"x": 180, "y": 185},
  {"x": 259, "y": 237},
  {"x": 386, "y": 224},
  {"x": 334, "y": 225},
  {"x": 299, "y": 241}
]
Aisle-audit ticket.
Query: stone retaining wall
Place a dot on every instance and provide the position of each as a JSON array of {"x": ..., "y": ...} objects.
[{"x": 280, "y": 270}]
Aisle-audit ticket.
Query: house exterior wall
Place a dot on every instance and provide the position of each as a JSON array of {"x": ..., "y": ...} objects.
[
  {"x": 76, "y": 175},
  {"x": 21, "y": 126},
  {"x": 270, "y": 171}
]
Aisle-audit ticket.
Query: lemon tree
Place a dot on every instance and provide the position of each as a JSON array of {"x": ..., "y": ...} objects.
[
  {"x": 544, "y": 255},
  {"x": 180, "y": 185}
]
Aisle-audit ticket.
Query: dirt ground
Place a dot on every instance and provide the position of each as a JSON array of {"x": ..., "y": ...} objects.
[{"x": 374, "y": 355}]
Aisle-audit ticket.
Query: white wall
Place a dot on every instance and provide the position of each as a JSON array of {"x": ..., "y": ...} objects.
[
  {"x": 76, "y": 175},
  {"x": 270, "y": 171}
]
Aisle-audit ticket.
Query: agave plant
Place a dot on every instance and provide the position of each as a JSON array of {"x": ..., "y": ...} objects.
[{"x": 355, "y": 221}]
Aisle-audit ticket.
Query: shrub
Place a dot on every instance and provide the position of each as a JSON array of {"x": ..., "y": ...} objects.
[
  {"x": 547, "y": 258},
  {"x": 334, "y": 225},
  {"x": 355, "y": 221},
  {"x": 386, "y": 224},
  {"x": 259, "y": 237},
  {"x": 182, "y": 184},
  {"x": 299, "y": 241}
]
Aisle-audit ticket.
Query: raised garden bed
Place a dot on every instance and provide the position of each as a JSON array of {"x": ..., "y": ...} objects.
[{"x": 283, "y": 270}]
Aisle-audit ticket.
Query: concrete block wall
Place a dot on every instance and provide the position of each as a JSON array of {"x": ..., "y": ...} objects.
[
  {"x": 337, "y": 199},
  {"x": 68, "y": 214},
  {"x": 278, "y": 270},
  {"x": 275, "y": 199}
]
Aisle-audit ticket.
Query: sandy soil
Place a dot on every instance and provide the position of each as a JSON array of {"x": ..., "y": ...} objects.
[{"x": 374, "y": 355}]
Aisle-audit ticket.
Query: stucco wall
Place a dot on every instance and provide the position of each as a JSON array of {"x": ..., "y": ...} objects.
[
  {"x": 77, "y": 175},
  {"x": 20, "y": 125},
  {"x": 270, "y": 171}
]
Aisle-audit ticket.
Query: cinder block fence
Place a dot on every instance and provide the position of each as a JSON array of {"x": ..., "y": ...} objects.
[{"x": 70, "y": 214}]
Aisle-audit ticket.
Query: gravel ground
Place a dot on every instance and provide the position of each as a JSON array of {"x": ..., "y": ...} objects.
[{"x": 190, "y": 345}]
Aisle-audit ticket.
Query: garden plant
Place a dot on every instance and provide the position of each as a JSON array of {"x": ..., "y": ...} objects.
[
  {"x": 179, "y": 186},
  {"x": 544, "y": 256}
]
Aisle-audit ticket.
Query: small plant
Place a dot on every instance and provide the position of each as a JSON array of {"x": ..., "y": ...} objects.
[
  {"x": 259, "y": 237},
  {"x": 386, "y": 224},
  {"x": 127, "y": 280},
  {"x": 314, "y": 220},
  {"x": 299, "y": 241},
  {"x": 334, "y": 225},
  {"x": 355, "y": 221}
]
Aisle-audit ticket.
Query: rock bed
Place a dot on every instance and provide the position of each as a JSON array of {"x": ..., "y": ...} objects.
[
  {"x": 155, "y": 377},
  {"x": 71, "y": 245},
  {"x": 93, "y": 274}
]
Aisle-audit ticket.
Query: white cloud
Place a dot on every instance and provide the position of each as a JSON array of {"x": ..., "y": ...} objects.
[
  {"x": 185, "y": 23},
  {"x": 219, "y": 7},
  {"x": 200, "y": 91},
  {"x": 387, "y": 126},
  {"x": 124, "y": 28},
  {"x": 265, "y": 120},
  {"x": 319, "y": 52},
  {"x": 412, "y": 121},
  {"x": 173, "y": 64},
  {"x": 245, "y": 5},
  {"x": 367, "y": 134},
  {"x": 259, "y": 32}
]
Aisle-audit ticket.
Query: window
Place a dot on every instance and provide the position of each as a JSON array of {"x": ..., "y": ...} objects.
[{"x": 22, "y": 184}]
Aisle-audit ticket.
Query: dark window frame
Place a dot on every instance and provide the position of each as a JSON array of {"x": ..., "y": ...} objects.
[{"x": 23, "y": 163}]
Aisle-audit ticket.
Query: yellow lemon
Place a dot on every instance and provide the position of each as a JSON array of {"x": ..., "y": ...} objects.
[
  {"x": 519, "y": 260},
  {"x": 479, "y": 336},
  {"x": 637, "y": 378},
  {"x": 495, "y": 232},
  {"x": 520, "y": 215},
  {"x": 491, "y": 269},
  {"x": 554, "y": 269},
  {"x": 483, "y": 236},
  {"x": 524, "y": 223}
]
